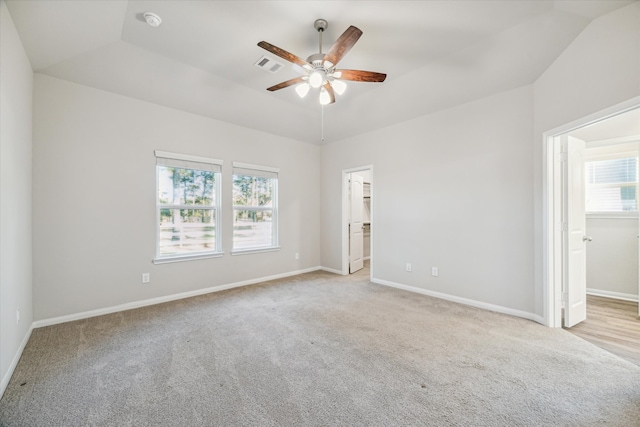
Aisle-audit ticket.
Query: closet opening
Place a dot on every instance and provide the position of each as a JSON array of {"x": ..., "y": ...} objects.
[{"x": 357, "y": 220}]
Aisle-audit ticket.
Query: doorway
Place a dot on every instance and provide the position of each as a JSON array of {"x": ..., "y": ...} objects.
[
  {"x": 357, "y": 219},
  {"x": 564, "y": 220}
]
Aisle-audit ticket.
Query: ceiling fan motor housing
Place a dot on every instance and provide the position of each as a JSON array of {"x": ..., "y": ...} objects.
[{"x": 316, "y": 60}]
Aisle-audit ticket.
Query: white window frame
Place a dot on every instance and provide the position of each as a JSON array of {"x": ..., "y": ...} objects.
[
  {"x": 165, "y": 158},
  {"x": 614, "y": 155},
  {"x": 265, "y": 172}
]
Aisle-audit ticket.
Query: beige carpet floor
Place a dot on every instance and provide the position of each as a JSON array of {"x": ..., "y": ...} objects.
[{"x": 316, "y": 350}]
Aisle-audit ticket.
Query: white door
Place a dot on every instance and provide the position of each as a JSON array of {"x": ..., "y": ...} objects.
[
  {"x": 356, "y": 224},
  {"x": 575, "y": 308}
]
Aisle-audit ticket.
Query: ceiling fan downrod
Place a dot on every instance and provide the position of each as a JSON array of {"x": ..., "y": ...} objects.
[
  {"x": 317, "y": 76},
  {"x": 320, "y": 25}
]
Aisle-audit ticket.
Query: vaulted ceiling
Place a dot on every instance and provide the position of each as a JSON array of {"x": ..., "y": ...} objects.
[{"x": 437, "y": 54}]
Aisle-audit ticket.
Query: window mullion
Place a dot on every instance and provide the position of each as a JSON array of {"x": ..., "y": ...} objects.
[
  {"x": 204, "y": 207},
  {"x": 253, "y": 208}
]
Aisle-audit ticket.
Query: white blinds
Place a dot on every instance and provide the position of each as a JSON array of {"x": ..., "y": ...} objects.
[
  {"x": 612, "y": 185},
  {"x": 254, "y": 170},
  {"x": 186, "y": 161}
]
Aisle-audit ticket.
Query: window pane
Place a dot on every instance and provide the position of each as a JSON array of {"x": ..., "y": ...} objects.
[
  {"x": 184, "y": 231},
  {"x": 613, "y": 171},
  {"x": 185, "y": 186},
  {"x": 252, "y": 228},
  {"x": 611, "y": 199},
  {"x": 252, "y": 191}
]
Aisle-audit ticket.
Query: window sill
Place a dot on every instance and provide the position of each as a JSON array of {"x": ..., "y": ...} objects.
[
  {"x": 181, "y": 258},
  {"x": 612, "y": 215},
  {"x": 255, "y": 250}
]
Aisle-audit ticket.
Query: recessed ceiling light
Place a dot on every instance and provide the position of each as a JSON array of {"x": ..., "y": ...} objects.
[{"x": 152, "y": 19}]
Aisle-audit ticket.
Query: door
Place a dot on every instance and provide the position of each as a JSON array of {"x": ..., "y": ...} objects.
[
  {"x": 356, "y": 223},
  {"x": 575, "y": 279}
]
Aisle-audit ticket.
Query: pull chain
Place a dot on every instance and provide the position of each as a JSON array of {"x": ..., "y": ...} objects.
[{"x": 322, "y": 122}]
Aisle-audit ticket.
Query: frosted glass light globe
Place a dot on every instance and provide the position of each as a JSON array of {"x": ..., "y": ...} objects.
[
  {"x": 339, "y": 86},
  {"x": 316, "y": 79},
  {"x": 302, "y": 89},
  {"x": 324, "y": 97}
]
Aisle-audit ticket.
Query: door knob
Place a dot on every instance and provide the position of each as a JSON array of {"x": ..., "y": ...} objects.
[{"x": 586, "y": 238}]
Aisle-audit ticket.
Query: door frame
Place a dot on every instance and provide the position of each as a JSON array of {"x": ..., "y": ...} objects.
[
  {"x": 345, "y": 217},
  {"x": 553, "y": 199}
]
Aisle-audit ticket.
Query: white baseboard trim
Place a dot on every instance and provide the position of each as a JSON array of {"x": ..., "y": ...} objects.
[
  {"x": 167, "y": 298},
  {"x": 613, "y": 295},
  {"x": 473, "y": 303},
  {"x": 14, "y": 362},
  {"x": 332, "y": 270}
]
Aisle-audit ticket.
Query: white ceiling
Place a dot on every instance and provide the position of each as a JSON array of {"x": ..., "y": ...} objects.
[
  {"x": 620, "y": 126},
  {"x": 436, "y": 54}
]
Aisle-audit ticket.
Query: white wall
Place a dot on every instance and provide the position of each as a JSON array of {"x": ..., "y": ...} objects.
[
  {"x": 612, "y": 256},
  {"x": 94, "y": 199},
  {"x": 452, "y": 190},
  {"x": 16, "y": 86},
  {"x": 600, "y": 69}
]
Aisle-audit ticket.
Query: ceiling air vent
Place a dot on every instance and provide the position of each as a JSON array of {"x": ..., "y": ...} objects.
[{"x": 268, "y": 64}]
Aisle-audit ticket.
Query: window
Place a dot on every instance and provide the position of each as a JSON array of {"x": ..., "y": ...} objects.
[
  {"x": 255, "y": 207},
  {"x": 188, "y": 207},
  {"x": 612, "y": 185}
]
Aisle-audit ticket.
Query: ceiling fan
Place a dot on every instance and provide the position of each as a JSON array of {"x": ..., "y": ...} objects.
[{"x": 319, "y": 70}]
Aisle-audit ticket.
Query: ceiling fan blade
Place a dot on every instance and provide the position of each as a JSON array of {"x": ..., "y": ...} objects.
[
  {"x": 344, "y": 43},
  {"x": 361, "y": 76},
  {"x": 285, "y": 84},
  {"x": 283, "y": 54},
  {"x": 332, "y": 95}
]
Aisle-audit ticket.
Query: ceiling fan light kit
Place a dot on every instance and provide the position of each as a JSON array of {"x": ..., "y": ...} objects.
[
  {"x": 302, "y": 90},
  {"x": 319, "y": 70},
  {"x": 316, "y": 78},
  {"x": 324, "y": 97},
  {"x": 339, "y": 86}
]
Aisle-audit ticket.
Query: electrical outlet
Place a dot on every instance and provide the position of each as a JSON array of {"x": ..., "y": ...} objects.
[
  {"x": 407, "y": 267},
  {"x": 17, "y": 316},
  {"x": 434, "y": 271},
  {"x": 297, "y": 255},
  {"x": 146, "y": 278}
]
